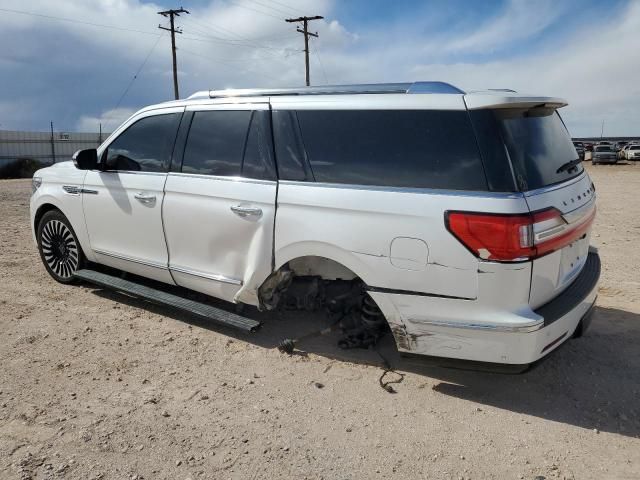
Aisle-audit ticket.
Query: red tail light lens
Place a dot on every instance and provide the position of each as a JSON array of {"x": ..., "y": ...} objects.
[{"x": 513, "y": 238}]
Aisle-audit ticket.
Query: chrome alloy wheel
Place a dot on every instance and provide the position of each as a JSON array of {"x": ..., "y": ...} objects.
[{"x": 59, "y": 249}]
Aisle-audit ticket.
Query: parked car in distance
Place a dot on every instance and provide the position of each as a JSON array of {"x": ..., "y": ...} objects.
[
  {"x": 588, "y": 147},
  {"x": 620, "y": 145},
  {"x": 461, "y": 222},
  {"x": 632, "y": 152},
  {"x": 621, "y": 154},
  {"x": 580, "y": 149},
  {"x": 603, "y": 154}
]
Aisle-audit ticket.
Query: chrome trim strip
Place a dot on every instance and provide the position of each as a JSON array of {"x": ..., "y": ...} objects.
[
  {"x": 224, "y": 179},
  {"x": 556, "y": 186},
  {"x": 427, "y": 191},
  {"x": 485, "y": 327},
  {"x": 208, "y": 276},
  {"x": 580, "y": 212},
  {"x": 146, "y": 263},
  {"x": 132, "y": 172}
]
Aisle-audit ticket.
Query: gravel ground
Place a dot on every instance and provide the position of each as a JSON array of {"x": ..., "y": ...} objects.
[{"x": 96, "y": 385}]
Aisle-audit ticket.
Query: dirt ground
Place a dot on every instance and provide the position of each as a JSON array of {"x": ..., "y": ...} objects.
[{"x": 96, "y": 385}]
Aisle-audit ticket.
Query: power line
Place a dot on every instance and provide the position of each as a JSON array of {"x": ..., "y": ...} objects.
[
  {"x": 172, "y": 14},
  {"x": 285, "y": 5},
  {"x": 305, "y": 30},
  {"x": 324, "y": 73},
  {"x": 239, "y": 40},
  {"x": 223, "y": 62},
  {"x": 252, "y": 9},
  {"x": 82, "y": 22},
  {"x": 126, "y": 90},
  {"x": 272, "y": 8},
  {"x": 202, "y": 35}
]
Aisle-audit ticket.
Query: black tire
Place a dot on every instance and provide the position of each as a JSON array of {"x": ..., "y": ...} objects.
[{"x": 59, "y": 248}]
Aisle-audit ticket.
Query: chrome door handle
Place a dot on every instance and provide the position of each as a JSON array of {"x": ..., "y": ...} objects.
[
  {"x": 145, "y": 198},
  {"x": 244, "y": 211}
]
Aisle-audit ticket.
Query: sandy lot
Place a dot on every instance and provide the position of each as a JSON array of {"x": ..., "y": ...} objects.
[{"x": 95, "y": 385}]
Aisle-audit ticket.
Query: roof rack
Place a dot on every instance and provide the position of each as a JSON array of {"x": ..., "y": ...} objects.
[{"x": 411, "y": 88}]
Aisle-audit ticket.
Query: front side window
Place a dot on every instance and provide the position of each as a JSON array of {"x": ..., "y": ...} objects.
[
  {"x": 145, "y": 146},
  {"x": 395, "y": 148}
]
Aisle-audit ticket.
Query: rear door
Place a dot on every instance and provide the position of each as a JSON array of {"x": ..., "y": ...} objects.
[
  {"x": 219, "y": 204},
  {"x": 557, "y": 190},
  {"x": 122, "y": 203}
]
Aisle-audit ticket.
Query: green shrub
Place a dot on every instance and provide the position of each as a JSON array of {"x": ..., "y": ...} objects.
[{"x": 19, "y": 168}]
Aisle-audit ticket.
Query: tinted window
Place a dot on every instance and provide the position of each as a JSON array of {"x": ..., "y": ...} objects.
[
  {"x": 538, "y": 144},
  {"x": 290, "y": 156},
  {"x": 145, "y": 146},
  {"x": 216, "y": 142},
  {"x": 494, "y": 156},
  {"x": 399, "y": 148},
  {"x": 258, "y": 159}
]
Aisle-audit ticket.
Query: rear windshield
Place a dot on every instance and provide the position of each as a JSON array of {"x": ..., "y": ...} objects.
[
  {"x": 634, "y": 147},
  {"x": 539, "y": 146},
  {"x": 603, "y": 149}
]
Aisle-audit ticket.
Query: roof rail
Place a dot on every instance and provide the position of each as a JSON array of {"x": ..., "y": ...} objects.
[{"x": 411, "y": 88}]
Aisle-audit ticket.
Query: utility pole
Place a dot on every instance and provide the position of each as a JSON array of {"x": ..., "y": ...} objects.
[
  {"x": 172, "y": 14},
  {"x": 602, "y": 130},
  {"x": 53, "y": 146},
  {"x": 305, "y": 30}
]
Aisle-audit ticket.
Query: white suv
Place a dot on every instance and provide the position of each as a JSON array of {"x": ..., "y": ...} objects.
[{"x": 465, "y": 217}]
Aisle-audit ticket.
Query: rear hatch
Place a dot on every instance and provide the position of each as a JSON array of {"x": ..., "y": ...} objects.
[{"x": 559, "y": 193}]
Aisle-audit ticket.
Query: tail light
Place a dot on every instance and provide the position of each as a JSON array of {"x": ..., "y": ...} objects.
[{"x": 516, "y": 238}]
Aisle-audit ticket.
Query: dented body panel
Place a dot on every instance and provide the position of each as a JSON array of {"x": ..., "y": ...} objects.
[{"x": 243, "y": 238}]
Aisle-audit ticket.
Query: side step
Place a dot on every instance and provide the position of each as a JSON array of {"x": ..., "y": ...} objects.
[{"x": 154, "y": 295}]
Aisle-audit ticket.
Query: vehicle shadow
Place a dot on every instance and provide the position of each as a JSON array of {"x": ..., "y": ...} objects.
[{"x": 592, "y": 382}]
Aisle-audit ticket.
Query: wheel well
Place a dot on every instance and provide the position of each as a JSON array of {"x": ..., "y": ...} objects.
[
  {"x": 325, "y": 268},
  {"x": 47, "y": 207},
  {"x": 308, "y": 281},
  {"x": 315, "y": 283}
]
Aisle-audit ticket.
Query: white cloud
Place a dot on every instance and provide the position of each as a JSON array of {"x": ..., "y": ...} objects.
[
  {"x": 591, "y": 71},
  {"x": 519, "y": 20},
  {"x": 110, "y": 120},
  {"x": 226, "y": 45}
]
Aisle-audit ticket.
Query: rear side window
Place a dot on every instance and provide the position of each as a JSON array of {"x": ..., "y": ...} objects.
[
  {"x": 290, "y": 155},
  {"x": 215, "y": 142},
  {"x": 145, "y": 146},
  {"x": 258, "y": 157},
  {"x": 397, "y": 148},
  {"x": 229, "y": 143}
]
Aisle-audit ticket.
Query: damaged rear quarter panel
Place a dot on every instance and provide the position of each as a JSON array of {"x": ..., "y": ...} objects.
[{"x": 357, "y": 226}]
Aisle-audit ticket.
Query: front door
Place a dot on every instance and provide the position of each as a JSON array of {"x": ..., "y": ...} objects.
[
  {"x": 219, "y": 204},
  {"x": 123, "y": 201}
]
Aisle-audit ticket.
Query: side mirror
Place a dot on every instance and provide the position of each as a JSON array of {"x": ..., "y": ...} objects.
[{"x": 86, "y": 159}]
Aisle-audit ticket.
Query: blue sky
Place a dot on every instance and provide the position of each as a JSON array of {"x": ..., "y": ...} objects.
[{"x": 80, "y": 75}]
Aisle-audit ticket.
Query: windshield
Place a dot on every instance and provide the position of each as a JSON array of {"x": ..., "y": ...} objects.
[
  {"x": 539, "y": 145},
  {"x": 634, "y": 147},
  {"x": 603, "y": 149}
]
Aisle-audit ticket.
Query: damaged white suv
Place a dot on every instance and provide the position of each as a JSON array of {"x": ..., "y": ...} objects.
[{"x": 461, "y": 218}]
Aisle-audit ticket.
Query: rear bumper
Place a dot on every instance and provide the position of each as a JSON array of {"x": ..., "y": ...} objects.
[{"x": 537, "y": 333}]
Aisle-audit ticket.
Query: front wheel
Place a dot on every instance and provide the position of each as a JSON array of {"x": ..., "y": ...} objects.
[{"x": 59, "y": 247}]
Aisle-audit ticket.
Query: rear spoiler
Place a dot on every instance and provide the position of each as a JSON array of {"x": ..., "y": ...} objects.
[{"x": 503, "y": 99}]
